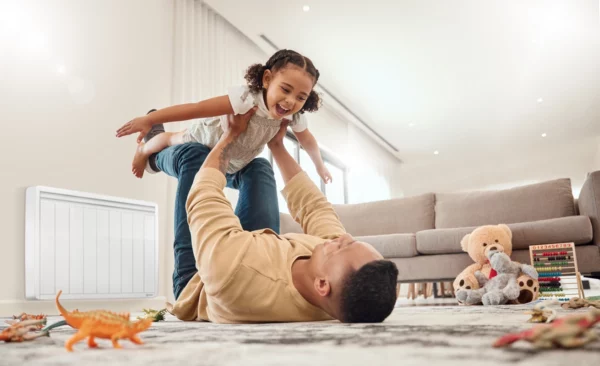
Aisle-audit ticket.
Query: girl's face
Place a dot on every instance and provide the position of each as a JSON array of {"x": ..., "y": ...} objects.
[{"x": 287, "y": 90}]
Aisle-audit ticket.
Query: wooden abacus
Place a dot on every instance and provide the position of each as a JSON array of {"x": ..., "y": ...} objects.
[{"x": 559, "y": 277}]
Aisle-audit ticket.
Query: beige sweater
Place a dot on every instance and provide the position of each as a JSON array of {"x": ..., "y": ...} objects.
[{"x": 244, "y": 276}]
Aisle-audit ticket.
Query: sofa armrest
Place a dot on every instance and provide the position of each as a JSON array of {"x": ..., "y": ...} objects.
[{"x": 589, "y": 202}]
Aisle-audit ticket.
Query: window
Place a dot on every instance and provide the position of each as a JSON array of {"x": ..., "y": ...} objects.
[
  {"x": 336, "y": 191},
  {"x": 309, "y": 167}
]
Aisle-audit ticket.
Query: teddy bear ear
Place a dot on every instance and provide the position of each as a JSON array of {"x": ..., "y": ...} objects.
[
  {"x": 464, "y": 243},
  {"x": 506, "y": 229}
]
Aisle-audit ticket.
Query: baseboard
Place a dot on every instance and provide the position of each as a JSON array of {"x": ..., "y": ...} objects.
[{"x": 8, "y": 308}]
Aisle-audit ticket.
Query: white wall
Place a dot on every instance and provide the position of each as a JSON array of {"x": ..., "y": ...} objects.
[
  {"x": 502, "y": 169},
  {"x": 59, "y": 128},
  {"x": 596, "y": 165}
]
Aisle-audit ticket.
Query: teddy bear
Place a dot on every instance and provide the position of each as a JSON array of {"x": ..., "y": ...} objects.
[
  {"x": 478, "y": 243},
  {"x": 501, "y": 288}
]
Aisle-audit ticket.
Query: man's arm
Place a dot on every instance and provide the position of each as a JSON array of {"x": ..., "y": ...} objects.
[
  {"x": 218, "y": 239},
  {"x": 307, "y": 205}
]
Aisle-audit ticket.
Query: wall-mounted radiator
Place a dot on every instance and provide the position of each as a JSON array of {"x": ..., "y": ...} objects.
[{"x": 89, "y": 246}]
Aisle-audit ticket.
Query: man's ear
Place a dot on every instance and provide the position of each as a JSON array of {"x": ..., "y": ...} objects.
[{"x": 322, "y": 286}]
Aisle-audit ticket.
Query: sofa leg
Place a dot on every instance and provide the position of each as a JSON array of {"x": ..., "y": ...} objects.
[{"x": 411, "y": 291}]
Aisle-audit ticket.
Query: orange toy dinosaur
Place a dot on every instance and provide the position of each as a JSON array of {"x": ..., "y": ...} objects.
[{"x": 101, "y": 324}]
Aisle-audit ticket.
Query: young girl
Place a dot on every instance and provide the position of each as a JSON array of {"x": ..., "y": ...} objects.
[{"x": 281, "y": 89}]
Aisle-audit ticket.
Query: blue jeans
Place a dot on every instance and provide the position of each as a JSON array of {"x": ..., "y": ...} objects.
[{"x": 257, "y": 206}]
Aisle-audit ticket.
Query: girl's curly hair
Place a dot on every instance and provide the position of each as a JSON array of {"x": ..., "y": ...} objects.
[{"x": 279, "y": 60}]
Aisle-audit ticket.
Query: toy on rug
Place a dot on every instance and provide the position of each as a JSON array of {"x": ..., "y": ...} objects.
[
  {"x": 24, "y": 316},
  {"x": 576, "y": 303},
  {"x": 501, "y": 288},
  {"x": 478, "y": 243},
  {"x": 155, "y": 315},
  {"x": 556, "y": 263},
  {"x": 20, "y": 331},
  {"x": 571, "y": 331},
  {"x": 101, "y": 324},
  {"x": 542, "y": 313}
]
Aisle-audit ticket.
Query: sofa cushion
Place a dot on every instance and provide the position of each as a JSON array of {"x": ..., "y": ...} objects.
[
  {"x": 287, "y": 224},
  {"x": 577, "y": 229},
  {"x": 547, "y": 200},
  {"x": 394, "y": 216},
  {"x": 589, "y": 202},
  {"x": 392, "y": 245}
]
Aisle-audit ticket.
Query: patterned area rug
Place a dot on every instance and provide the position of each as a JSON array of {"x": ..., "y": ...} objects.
[{"x": 449, "y": 335}]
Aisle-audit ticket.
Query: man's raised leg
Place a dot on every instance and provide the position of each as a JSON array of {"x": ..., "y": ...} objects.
[
  {"x": 257, "y": 206},
  {"x": 182, "y": 162}
]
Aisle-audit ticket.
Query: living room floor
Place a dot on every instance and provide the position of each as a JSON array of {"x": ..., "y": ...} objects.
[{"x": 449, "y": 335}]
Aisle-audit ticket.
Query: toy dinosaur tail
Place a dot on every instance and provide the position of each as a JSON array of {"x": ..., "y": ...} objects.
[
  {"x": 60, "y": 308},
  {"x": 509, "y": 339}
]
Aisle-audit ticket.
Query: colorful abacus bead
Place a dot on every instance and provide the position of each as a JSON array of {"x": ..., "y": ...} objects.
[
  {"x": 550, "y": 274},
  {"x": 548, "y": 279}
]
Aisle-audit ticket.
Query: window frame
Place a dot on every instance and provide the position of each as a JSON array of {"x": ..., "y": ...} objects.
[{"x": 327, "y": 158}]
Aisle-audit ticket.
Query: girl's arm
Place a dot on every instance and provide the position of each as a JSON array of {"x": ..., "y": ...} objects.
[
  {"x": 309, "y": 143},
  {"x": 212, "y": 107}
]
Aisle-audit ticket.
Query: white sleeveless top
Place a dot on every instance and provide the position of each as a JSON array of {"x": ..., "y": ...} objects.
[{"x": 261, "y": 128}]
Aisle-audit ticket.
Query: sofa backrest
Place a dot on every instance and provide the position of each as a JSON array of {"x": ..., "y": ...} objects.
[
  {"x": 394, "y": 216},
  {"x": 541, "y": 201}
]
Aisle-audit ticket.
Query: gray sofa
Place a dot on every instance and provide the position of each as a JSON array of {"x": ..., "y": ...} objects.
[{"x": 422, "y": 234}]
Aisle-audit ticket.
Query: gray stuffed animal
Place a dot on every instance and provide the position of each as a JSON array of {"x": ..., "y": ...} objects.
[{"x": 501, "y": 288}]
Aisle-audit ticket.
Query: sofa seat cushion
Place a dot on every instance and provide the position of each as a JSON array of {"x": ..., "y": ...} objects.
[
  {"x": 392, "y": 245},
  {"x": 577, "y": 229},
  {"x": 534, "y": 202}
]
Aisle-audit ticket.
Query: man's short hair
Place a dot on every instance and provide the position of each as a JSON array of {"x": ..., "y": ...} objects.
[{"x": 369, "y": 294}]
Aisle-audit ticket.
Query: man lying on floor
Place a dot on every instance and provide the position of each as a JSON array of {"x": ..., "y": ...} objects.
[{"x": 259, "y": 276}]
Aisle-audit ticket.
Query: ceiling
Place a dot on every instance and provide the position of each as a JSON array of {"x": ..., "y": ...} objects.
[{"x": 457, "y": 77}]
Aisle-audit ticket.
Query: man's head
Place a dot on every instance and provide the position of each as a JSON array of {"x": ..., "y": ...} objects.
[{"x": 353, "y": 280}]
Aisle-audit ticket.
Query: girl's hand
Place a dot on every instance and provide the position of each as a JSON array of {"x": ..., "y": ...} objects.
[
  {"x": 277, "y": 140},
  {"x": 324, "y": 174},
  {"x": 139, "y": 124}
]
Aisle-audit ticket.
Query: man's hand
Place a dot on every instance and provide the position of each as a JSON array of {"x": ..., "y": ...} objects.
[
  {"x": 220, "y": 155},
  {"x": 237, "y": 124},
  {"x": 139, "y": 124}
]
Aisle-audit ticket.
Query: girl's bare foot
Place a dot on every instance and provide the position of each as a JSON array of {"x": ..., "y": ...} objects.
[{"x": 139, "y": 161}]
